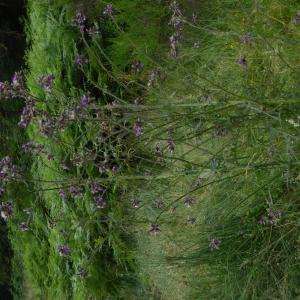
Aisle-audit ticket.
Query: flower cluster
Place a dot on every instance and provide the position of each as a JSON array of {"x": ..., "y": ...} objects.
[
  {"x": 177, "y": 23},
  {"x": 6, "y": 210},
  {"x": 46, "y": 82},
  {"x": 272, "y": 218},
  {"x": 8, "y": 170},
  {"x": 47, "y": 125},
  {"x": 96, "y": 188},
  {"x": 79, "y": 21},
  {"x": 30, "y": 147},
  {"x": 28, "y": 113},
  {"x": 14, "y": 89}
]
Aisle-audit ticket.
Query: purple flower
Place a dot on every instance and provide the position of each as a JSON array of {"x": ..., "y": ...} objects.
[
  {"x": 215, "y": 244},
  {"x": 189, "y": 201},
  {"x": 64, "y": 250},
  {"x": 272, "y": 218},
  {"x": 47, "y": 125},
  {"x": 245, "y": 39},
  {"x": 95, "y": 188},
  {"x": 138, "y": 129},
  {"x": 154, "y": 229},
  {"x": 99, "y": 202},
  {"x": 85, "y": 99},
  {"x": 28, "y": 113},
  {"x": 81, "y": 60},
  {"x": 35, "y": 149},
  {"x": 18, "y": 82},
  {"x": 63, "y": 194},
  {"x": 74, "y": 189},
  {"x": 114, "y": 169},
  {"x": 46, "y": 81},
  {"x": 243, "y": 61},
  {"x": 295, "y": 21},
  {"x": 79, "y": 21},
  {"x": 108, "y": 10}
]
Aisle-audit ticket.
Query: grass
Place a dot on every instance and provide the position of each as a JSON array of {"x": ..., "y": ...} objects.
[{"x": 234, "y": 129}]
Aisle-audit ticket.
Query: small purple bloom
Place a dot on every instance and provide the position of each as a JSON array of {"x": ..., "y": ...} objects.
[
  {"x": 243, "y": 61},
  {"x": 74, "y": 188},
  {"x": 46, "y": 81},
  {"x": 245, "y": 39},
  {"x": 81, "y": 60},
  {"x": 85, "y": 99},
  {"x": 18, "y": 81},
  {"x": 99, "y": 202},
  {"x": 95, "y": 188},
  {"x": 114, "y": 169},
  {"x": 138, "y": 129},
  {"x": 64, "y": 250},
  {"x": 108, "y": 10},
  {"x": 296, "y": 21},
  {"x": 63, "y": 194},
  {"x": 215, "y": 244},
  {"x": 79, "y": 21}
]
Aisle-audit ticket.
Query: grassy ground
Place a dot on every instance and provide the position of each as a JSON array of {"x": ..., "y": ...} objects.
[{"x": 220, "y": 131}]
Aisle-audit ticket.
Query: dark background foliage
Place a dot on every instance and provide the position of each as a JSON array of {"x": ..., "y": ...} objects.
[{"x": 12, "y": 45}]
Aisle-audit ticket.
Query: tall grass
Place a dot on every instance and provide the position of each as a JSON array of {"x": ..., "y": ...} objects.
[{"x": 203, "y": 203}]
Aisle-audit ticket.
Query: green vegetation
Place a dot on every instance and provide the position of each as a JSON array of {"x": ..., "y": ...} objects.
[{"x": 195, "y": 150}]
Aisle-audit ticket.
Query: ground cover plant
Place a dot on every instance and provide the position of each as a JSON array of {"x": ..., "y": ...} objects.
[{"x": 162, "y": 152}]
